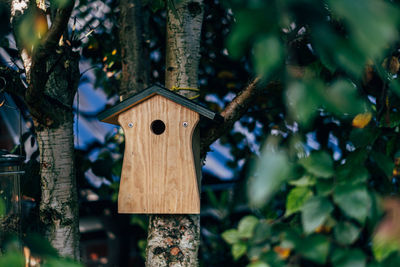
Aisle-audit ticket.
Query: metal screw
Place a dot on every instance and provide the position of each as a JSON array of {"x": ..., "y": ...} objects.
[
  {"x": 130, "y": 125},
  {"x": 185, "y": 124}
]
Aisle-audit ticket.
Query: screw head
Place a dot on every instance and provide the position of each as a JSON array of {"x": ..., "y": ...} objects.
[
  {"x": 130, "y": 125},
  {"x": 185, "y": 124}
]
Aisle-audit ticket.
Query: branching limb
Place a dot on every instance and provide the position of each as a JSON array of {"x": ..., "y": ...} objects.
[
  {"x": 57, "y": 28},
  {"x": 10, "y": 81},
  {"x": 234, "y": 111}
]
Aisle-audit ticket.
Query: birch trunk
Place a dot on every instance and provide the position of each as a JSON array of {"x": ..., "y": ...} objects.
[
  {"x": 173, "y": 240},
  {"x": 59, "y": 206},
  {"x": 52, "y": 74}
]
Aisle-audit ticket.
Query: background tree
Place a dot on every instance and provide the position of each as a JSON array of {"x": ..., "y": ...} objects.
[{"x": 51, "y": 72}]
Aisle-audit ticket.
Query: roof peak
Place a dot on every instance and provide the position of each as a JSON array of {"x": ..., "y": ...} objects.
[{"x": 110, "y": 114}]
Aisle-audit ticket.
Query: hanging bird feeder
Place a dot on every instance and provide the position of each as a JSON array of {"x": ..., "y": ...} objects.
[{"x": 10, "y": 198}]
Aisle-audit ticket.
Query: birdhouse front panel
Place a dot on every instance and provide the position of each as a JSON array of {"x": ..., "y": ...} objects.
[{"x": 158, "y": 174}]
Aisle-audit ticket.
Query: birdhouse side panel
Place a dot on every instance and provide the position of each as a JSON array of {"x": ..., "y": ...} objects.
[{"x": 158, "y": 172}]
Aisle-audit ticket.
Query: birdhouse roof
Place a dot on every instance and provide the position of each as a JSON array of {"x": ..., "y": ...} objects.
[{"x": 110, "y": 115}]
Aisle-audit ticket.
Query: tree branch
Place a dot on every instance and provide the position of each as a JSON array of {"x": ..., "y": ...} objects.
[
  {"x": 10, "y": 81},
  {"x": 234, "y": 111},
  {"x": 57, "y": 28}
]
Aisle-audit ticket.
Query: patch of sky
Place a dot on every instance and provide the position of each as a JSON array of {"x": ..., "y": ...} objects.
[{"x": 333, "y": 143}]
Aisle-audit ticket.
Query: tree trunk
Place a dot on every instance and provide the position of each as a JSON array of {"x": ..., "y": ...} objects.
[
  {"x": 173, "y": 240},
  {"x": 59, "y": 206},
  {"x": 133, "y": 35},
  {"x": 52, "y": 74}
]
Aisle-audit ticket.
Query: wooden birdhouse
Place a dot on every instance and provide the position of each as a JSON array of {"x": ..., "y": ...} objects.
[{"x": 161, "y": 167}]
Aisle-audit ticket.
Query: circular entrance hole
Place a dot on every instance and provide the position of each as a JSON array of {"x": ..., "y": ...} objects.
[{"x": 157, "y": 127}]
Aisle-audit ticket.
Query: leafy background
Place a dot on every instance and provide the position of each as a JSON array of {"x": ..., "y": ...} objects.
[{"x": 316, "y": 158}]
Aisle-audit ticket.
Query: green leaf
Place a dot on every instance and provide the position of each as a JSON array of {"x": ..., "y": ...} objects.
[
  {"x": 346, "y": 233},
  {"x": 258, "y": 264},
  {"x": 352, "y": 173},
  {"x": 246, "y": 226},
  {"x": 383, "y": 248},
  {"x": 392, "y": 261},
  {"x": 40, "y": 246},
  {"x": 291, "y": 238},
  {"x": 12, "y": 259},
  {"x": 254, "y": 252},
  {"x": 306, "y": 180},
  {"x": 268, "y": 54},
  {"x": 349, "y": 258},
  {"x": 271, "y": 170},
  {"x": 238, "y": 250},
  {"x": 249, "y": 23},
  {"x": 315, "y": 248},
  {"x": 324, "y": 187},
  {"x": 262, "y": 232},
  {"x": 342, "y": 98},
  {"x": 231, "y": 236},
  {"x": 327, "y": 59},
  {"x": 384, "y": 163},
  {"x": 296, "y": 198},
  {"x": 371, "y": 36},
  {"x": 303, "y": 100},
  {"x": 314, "y": 213},
  {"x": 318, "y": 163},
  {"x": 57, "y": 262},
  {"x": 364, "y": 137},
  {"x": 353, "y": 200}
]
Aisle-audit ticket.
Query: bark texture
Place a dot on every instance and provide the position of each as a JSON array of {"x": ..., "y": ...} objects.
[
  {"x": 173, "y": 240},
  {"x": 52, "y": 74},
  {"x": 58, "y": 207},
  {"x": 134, "y": 42},
  {"x": 184, "y": 22}
]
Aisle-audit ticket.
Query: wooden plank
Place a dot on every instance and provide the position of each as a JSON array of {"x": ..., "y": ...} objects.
[{"x": 158, "y": 173}]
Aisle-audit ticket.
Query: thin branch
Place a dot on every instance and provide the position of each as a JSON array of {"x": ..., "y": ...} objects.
[
  {"x": 10, "y": 82},
  {"x": 234, "y": 111}
]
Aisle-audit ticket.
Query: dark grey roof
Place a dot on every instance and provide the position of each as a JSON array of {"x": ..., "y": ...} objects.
[{"x": 150, "y": 91}]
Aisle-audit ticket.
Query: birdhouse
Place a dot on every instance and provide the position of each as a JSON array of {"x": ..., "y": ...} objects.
[{"x": 161, "y": 167}]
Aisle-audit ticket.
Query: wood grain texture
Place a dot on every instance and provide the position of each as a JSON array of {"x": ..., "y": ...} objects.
[{"x": 158, "y": 173}]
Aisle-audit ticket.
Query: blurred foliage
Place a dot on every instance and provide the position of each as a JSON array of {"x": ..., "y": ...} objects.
[
  {"x": 33, "y": 249},
  {"x": 317, "y": 154},
  {"x": 338, "y": 65}
]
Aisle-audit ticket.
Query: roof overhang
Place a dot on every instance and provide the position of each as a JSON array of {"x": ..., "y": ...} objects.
[{"x": 111, "y": 115}]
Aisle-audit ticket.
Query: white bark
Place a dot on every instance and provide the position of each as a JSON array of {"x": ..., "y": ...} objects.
[
  {"x": 173, "y": 240},
  {"x": 49, "y": 97},
  {"x": 18, "y": 8},
  {"x": 58, "y": 210},
  {"x": 183, "y": 44}
]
